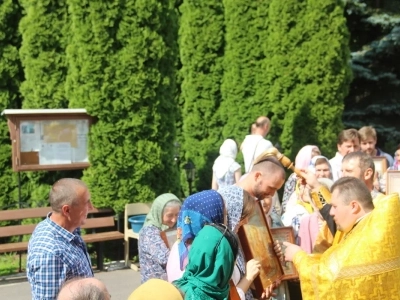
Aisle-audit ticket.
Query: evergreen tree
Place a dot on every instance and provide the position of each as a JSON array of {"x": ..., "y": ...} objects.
[
  {"x": 10, "y": 79},
  {"x": 375, "y": 45},
  {"x": 307, "y": 73},
  {"x": 246, "y": 24},
  {"x": 122, "y": 61},
  {"x": 44, "y": 31},
  {"x": 201, "y": 41}
]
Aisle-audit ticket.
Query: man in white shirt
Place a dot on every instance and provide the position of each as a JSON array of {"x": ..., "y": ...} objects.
[
  {"x": 348, "y": 141},
  {"x": 255, "y": 144}
]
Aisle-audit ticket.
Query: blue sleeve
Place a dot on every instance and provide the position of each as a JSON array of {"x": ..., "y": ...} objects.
[{"x": 46, "y": 273}]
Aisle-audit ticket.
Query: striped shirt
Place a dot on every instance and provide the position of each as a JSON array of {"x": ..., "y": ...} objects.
[{"x": 55, "y": 255}]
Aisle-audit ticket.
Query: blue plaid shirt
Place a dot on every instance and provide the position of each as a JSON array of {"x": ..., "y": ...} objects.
[{"x": 55, "y": 255}]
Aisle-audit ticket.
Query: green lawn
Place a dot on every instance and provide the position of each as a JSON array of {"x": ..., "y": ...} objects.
[{"x": 9, "y": 263}]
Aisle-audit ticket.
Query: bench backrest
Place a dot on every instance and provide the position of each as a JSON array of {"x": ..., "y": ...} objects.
[
  {"x": 26, "y": 213},
  {"x": 37, "y": 212}
]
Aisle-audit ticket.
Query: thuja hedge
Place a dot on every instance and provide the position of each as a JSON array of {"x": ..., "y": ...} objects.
[
  {"x": 122, "y": 59},
  {"x": 246, "y": 24},
  {"x": 201, "y": 45},
  {"x": 307, "y": 72},
  {"x": 10, "y": 80},
  {"x": 44, "y": 29},
  {"x": 45, "y": 32}
]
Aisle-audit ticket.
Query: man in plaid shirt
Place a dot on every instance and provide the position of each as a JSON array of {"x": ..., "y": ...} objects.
[{"x": 56, "y": 251}]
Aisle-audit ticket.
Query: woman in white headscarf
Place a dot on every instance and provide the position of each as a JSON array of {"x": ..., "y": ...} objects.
[{"x": 226, "y": 171}]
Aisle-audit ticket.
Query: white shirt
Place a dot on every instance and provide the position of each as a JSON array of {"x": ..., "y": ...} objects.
[
  {"x": 336, "y": 164},
  {"x": 252, "y": 146}
]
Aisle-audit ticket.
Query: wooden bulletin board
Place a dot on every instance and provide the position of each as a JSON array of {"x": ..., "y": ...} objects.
[{"x": 49, "y": 139}]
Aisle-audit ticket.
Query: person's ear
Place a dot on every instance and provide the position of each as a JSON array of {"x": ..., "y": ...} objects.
[
  {"x": 65, "y": 210},
  {"x": 257, "y": 175},
  {"x": 368, "y": 174},
  {"x": 355, "y": 207}
]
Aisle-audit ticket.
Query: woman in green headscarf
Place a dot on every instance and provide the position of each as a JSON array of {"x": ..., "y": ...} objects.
[
  {"x": 211, "y": 262},
  {"x": 153, "y": 253}
]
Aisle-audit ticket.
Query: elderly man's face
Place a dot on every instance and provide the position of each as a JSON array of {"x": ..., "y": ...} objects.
[
  {"x": 351, "y": 168},
  {"x": 80, "y": 209}
]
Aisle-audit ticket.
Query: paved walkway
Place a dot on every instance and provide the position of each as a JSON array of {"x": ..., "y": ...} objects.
[{"x": 120, "y": 284}]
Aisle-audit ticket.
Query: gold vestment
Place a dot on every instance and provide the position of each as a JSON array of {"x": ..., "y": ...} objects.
[{"x": 364, "y": 265}]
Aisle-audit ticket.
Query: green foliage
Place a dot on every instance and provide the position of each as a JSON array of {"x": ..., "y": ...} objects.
[
  {"x": 122, "y": 59},
  {"x": 201, "y": 41},
  {"x": 374, "y": 93},
  {"x": 44, "y": 31},
  {"x": 10, "y": 80},
  {"x": 246, "y": 24},
  {"x": 306, "y": 72}
]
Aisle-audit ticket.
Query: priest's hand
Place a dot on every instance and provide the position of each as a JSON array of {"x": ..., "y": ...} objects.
[
  {"x": 278, "y": 250},
  {"x": 310, "y": 179},
  {"x": 268, "y": 292},
  {"x": 289, "y": 250}
]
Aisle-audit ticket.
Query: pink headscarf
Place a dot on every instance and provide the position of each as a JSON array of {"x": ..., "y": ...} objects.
[{"x": 303, "y": 158}]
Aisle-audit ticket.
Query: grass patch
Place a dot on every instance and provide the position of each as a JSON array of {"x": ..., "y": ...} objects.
[{"x": 9, "y": 263}]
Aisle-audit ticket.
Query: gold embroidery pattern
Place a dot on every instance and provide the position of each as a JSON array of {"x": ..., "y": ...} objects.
[{"x": 372, "y": 269}]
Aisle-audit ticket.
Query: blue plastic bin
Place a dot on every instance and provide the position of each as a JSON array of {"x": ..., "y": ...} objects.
[{"x": 137, "y": 222}]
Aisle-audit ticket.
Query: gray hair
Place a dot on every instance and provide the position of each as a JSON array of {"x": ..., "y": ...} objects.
[
  {"x": 64, "y": 192},
  {"x": 364, "y": 160},
  {"x": 172, "y": 203},
  {"x": 89, "y": 292},
  {"x": 78, "y": 289}
]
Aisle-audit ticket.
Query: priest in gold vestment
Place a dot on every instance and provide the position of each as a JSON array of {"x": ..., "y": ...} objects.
[{"x": 366, "y": 262}]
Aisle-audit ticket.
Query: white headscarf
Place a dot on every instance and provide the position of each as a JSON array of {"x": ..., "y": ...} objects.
[
  {"x": 311, "y": 167},
  {"x": 227, "y": 155}
]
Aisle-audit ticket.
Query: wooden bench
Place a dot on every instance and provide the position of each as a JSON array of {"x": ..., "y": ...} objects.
[{"x": 95, "y": 220}]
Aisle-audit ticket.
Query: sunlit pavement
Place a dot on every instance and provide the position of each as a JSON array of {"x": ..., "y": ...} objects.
[{"x": 120, "y": 284}]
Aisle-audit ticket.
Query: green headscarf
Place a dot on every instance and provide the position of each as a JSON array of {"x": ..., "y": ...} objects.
[
  {"x": 154, "y": 217},
  {"x": 210, "y": 267}
]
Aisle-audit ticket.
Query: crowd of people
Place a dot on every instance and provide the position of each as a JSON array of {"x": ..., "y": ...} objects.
[{"x": 347, "y": 245}]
